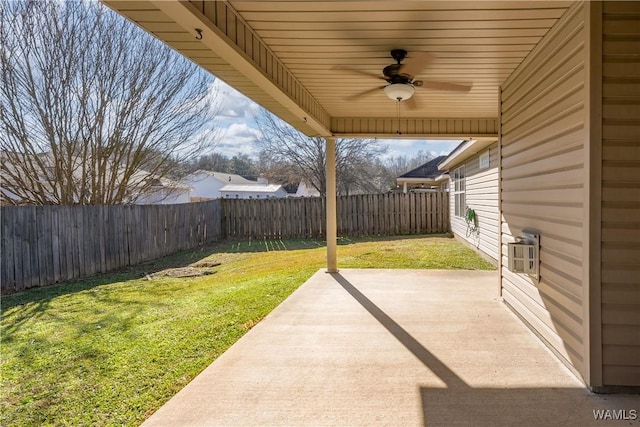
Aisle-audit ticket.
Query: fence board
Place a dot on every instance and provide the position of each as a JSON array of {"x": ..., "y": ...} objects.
[
  {"x": 64, "y": 234},
  {"x": 56, "y": 244},
  {"x": 89, "y": 242},
  {"x": 45, "y": 234},
  {"x": 98, "y": 218},
  {"x": 31, "y": 247},
  {"x": 6, "y": 249},
  {"x": 116, "y": 230},
  {"x": 23, "y": 262},
  {"x": 21, "y": 259}
]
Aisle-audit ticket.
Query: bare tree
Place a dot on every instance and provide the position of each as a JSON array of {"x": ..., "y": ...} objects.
[
  {"x": 216, "y": 162},
  {"x": 399, "y": 165},
  {"x": 92, "y": 109},
  {"x": 299, "y": 156}
]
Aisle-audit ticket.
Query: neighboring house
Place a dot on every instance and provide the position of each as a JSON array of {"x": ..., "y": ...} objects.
[
  {"x": 424, "y": 177},
  {"x": 473, "y": 195},
  {"x": 253, "y": 191},
  {"x": 306, "y": 190},
  {"x": 206, "y": 185},
  {"x": 165, "y": 192}
]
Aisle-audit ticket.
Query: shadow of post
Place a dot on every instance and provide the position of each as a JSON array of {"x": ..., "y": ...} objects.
[
  {"x": 427, "y": 358},
  {"x": 463, "y": 405}
]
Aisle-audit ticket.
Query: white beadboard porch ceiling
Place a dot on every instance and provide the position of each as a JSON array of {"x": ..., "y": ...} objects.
[{"x": 282, "y": 53}]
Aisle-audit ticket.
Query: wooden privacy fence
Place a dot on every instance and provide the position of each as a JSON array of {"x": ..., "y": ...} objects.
[
  {"x": 273, "y": 218},
  {"x": 393, "y": 214},
  {"x": 42, "y": 245},
  {"x": 359, "y": 215}
]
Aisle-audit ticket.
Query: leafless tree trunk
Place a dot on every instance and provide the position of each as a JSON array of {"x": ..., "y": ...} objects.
[
  {"x": 300, "y": 156},
  {"x": 92, "y": 109}
]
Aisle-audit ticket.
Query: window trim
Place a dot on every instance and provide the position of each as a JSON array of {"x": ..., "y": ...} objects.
[{"x": 459, "y": 191}]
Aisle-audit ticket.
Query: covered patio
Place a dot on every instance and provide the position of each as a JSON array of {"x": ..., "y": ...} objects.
[
  {"x": 555, "y": 83},
  {"x": 389, "y": 347}
]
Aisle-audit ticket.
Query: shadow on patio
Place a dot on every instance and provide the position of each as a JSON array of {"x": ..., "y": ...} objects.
[{"x": 391, "y": 347}]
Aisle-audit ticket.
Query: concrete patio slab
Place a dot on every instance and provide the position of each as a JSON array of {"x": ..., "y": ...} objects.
[{"x": 396, "y": 348}]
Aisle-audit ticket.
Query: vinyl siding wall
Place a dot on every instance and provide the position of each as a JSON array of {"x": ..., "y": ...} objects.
[
  {"x": 620, "y": 248},
  {"x": 481, "y": 195},
  {"x": 543, "y": 184}
]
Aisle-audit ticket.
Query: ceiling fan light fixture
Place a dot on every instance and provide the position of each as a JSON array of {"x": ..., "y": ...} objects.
[{"x": 399, "y": 91}]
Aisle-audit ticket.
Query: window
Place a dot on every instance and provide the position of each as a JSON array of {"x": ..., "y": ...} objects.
[
  {"x": 458, "y": 192},
  {"x": 484, "y": 160}
]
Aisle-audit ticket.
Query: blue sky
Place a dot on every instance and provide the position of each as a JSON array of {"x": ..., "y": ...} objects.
[{"x": 237, "y": 130}]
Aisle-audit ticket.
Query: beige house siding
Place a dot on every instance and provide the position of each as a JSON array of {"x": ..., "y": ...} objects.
[
  {"x": 543, "y": 184},
  {"x": 621, "y": 195},
  {"x": 481, "y": 195}
]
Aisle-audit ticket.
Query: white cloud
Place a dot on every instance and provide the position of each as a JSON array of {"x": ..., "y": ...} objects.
[
  {"x": 242, "y": 130},
  {"x": 238, "y": 138},
  {"x": 402, "y": 147},
  {"x": 231, "y": 104},
  {"x": 400, "y": 143},
  {"x": 234, "y": 114}
]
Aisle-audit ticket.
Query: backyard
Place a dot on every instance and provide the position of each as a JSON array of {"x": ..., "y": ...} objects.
[{"x": 112, "y": 349}]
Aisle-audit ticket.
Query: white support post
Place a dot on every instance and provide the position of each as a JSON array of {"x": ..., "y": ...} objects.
[{"x": 332, "y": 212}]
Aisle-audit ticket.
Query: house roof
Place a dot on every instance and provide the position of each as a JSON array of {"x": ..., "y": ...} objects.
[
  {"x": 227, "y": 178},
  {"x": 255, "y": 188},
  {"x": 463, "y": 151},
  {"x": 302, "y": 59},
  {"x": 428, "y": 170},
  {"x": 171, "y": 184}
]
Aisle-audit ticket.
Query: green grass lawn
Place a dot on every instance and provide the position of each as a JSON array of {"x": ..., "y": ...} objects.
[{"x": 112, "y": 349}]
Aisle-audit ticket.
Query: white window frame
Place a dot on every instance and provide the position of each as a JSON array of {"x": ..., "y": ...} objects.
[
  {"x": 483, "y": 160},
  {"x": 458, "y": 190}
]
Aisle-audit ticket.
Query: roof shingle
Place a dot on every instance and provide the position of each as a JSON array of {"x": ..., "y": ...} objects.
[{"x": 427, "y": 170}]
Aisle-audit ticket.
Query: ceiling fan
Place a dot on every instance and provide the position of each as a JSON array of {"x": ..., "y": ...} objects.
[{"x": 401, "y": 78}]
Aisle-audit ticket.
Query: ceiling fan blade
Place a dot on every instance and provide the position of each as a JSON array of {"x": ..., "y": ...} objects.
[
  {"x": 411, "y": 103},
  {"x": 365, "y": 93},
  {"x": 445, "y": 86},
  {"x": 356, "y": 71},
  {"x": 414, "y": 64}
]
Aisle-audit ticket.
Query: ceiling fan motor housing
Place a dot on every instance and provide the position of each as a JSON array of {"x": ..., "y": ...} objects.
[
  {"x": 393, "y": 72},
  {"x": 398, "y": 55},
  {"x": 393, "y": 75}
]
